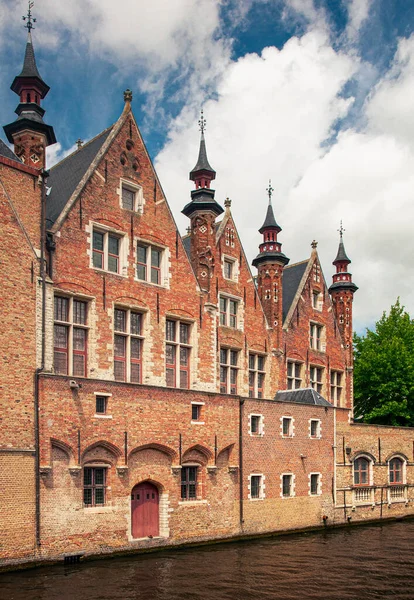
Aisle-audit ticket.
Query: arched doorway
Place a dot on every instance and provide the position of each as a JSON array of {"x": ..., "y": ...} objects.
[{"x": 145, "y": 510}]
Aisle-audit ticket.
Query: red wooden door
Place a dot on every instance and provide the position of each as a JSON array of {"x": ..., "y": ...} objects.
[{"x": 145, "y": 510}]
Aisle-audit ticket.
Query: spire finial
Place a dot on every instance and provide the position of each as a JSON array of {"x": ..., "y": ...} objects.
[
  {"x": 314, "y": 244},
  {"x": 128, "y": 95},
  {"x": 202, "y": 122},
  {"x": 270, "y": 191},
  {"x": 341, "y": 230},
  {"x": 28, "y": 18}
]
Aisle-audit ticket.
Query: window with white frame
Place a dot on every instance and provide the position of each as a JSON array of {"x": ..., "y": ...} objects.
[
  {"x": 314, "y": 428},
  {"x": 197, "y": 411},
  {"x": 106, "y": 250},
  {"x": 70, "y": 336},
  {"x": 315, "y": 484},
  {"x": 229, "y": 366},
  {"x": 149, "y": 263},
  {"x": 336, "y": 387},
  {"x": 131, "y": 196},
  {"x": 128, "y": 341},
  {"x": 316, "y": 300},
  {"x": 229, "y": 268},
  {"x": 287, "y": 427},
  {"x": 256, "y": 375},
  {"x": 316, "y": 333},
  {"x": 294, "y": 374},
  {"x": 316, "y": 378},
  {"x": 177, "y": 353},
  {"x": 256, "y": 487},
  {"x": 287, "y": 485},
  {"x": 256, "y": 425},
  {"x": 228, "y": 312}
]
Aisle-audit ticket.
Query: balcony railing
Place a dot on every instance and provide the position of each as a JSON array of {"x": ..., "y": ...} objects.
[
  {"x": 363, "y": 495},
  {"x": 397, "y": 493}
]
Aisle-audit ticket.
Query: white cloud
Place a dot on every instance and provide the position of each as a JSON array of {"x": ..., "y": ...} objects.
[
  {"x": 56, "y": 153},
  {"x": 271, "y": 116},
  {"x": 358, "y": 12}
]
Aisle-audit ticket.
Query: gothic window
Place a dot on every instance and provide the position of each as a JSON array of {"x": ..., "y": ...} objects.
[
  {"x": 128, "y": 341},
  {"x": 177, "y": 354},
  {"x": 256, "y": 375},
  {"x": 70, "y": 336},
  {"x": 229, "y": 360}
]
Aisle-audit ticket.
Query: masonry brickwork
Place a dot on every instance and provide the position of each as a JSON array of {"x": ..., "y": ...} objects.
[{"x": 152, "y": 392}]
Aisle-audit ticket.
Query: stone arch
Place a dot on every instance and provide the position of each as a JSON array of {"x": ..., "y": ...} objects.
[
  {"x": 197, "y": 453},
  {"x": 363, "y": 454},
  {"x": 154, "y": 446},
  {"x": 224, "y": 456},
  {"x": 108, "y": 446},
  {"x": 400, "y": 455},
  {"x": 64, "y": 447}
]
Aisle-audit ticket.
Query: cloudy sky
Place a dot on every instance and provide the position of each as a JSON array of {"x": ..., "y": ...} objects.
[{"x": 316, "y": 95}]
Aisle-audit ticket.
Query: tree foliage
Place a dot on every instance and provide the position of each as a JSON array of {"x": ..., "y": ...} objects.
[{"x": 384, "y": 370}]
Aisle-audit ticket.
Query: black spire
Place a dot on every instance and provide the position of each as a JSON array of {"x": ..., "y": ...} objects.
[
  {"x": 341, "y": 257},
  {"x": 202, "y": 173},
  {"x": 270, "y": 221}
]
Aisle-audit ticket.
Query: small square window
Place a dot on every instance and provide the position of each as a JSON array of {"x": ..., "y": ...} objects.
[
  {"x": 287, "y": 427},
  {"x": 195, "y": 412},
  {"x": 128, "y": 199},
  {"x": 101, "y": 405},
  {"x": 256, "y": 424},
  {"x": 314, "y": 484},
  {"x": 315, "y": 428},
  {"x": 287, "y": 486}
]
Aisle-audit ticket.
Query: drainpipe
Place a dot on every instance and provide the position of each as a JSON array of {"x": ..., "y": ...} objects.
[
  {"x": 241, "y": 480},
  {"x": 44, "y": 174}
]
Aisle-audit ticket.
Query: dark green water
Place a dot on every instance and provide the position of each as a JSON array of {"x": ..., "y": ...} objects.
[{"x": 356, "y": 563}]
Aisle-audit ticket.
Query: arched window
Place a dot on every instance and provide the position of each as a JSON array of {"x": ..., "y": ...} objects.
[
  {"x": 361, "y": 471},
  {"x": 395, "y": 470}
]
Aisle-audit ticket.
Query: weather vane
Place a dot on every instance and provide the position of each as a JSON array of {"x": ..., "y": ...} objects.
[
  {"x": 202, "y": 122},
  {"x": 341, "y": 229},
  {"x": 28, "y": 18},
  {"x": 270, "y": 191}
]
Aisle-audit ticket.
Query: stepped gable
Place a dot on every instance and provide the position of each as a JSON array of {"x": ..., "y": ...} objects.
[
  {"x": 302, "y": 396},
  {"x": 7, "y": 153},
  {"x": 292, "y": 276},
  {"x": 66, "y": 175}
]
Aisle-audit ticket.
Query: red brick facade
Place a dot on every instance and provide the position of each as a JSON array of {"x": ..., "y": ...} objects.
[{"x": 159, "y": 364}]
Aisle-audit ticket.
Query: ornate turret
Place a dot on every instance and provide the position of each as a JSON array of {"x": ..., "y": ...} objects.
[
  {"x": 29, "y": 134},
  {"x": 342, "y": 292},
  {"x": 270, "y": 262},
  {"x": 202, "y": 210}
]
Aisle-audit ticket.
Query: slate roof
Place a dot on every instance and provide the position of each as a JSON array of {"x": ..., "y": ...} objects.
[
  {"x": 270, "y": 220},
  {"x": 302, "y": 396},
  {"x": 7, "y": 153},
  {"x": 202, "y": 162},
  {"x": 341, "y": 256},
  {"x": 187, "y": 245},
  {"x": 66, "y": 175},
  {"x": 292, "y": 276},
  {"x": 29, "y": 65}
]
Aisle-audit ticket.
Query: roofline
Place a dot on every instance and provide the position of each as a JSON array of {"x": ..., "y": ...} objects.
[
  {"x": 298, "y": 263},
  {"x": 9, "y": 162}
]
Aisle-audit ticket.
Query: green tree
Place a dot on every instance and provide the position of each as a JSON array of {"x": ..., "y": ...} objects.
[{"x": 384, "y": 370}]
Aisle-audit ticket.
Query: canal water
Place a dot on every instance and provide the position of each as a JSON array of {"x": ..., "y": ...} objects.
[{"x": 358, "y": 563}]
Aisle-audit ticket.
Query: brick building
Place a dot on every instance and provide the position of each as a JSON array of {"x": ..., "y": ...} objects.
[{"x": 154, "y": 391}]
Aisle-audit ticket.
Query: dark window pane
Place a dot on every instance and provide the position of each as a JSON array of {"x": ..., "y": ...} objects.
[
  {"x": 119, "y": 370},
  {"x": 142, "y": 272},
  {"x": 135, "y": 373},
  {"x": 135, "y": 348},
  {"x": 142, "y": 254},
  {"x": 155, "y": 258},
  {"x": 61, "y": 336},
  {"x": 100, "y": 404},
  {"x": 113, "y": 264},
  {"x": 61, "y": 363},
  {"x": 170, "y": 354},
  {"x": 314, "y": 484},
  {"x": 99, "y": 476},
  {"x": 113, "y": 245},
  {"x": 61, "y": 309},
  {"x": 136, "y": 322},
  {"x": 184, "y": 380},
  {"x": 98, "y": 241},
  {"x": 79, "y": 312},
  {"x": 252, "y": 361},
  {"x": 260, "y": 363},
  {"x": 79, "y": 339},
  {"x": 223, "y": 356},
  {"x": 99, "y": 496},
  {"x": 87, "y": 476},
  {"x": 97, "y": 260},
  {"x": 79, "y": 365},
  {"x": 120, "y": 320},
  {"x": 87, "y": 496},
  {"x": 120, "y": 345},
  {"x": 128, "y": 198},
  {"x": 233, "y": 357},
  {"x": 184, "y": 355},
  {"x": 155, "y": 276},
  {"x": 195, "y": 412},
  {"x": 170, "y": 377},
  {"x": 170, "y": 331},
  {"x": 184, "y": 333}
]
